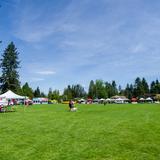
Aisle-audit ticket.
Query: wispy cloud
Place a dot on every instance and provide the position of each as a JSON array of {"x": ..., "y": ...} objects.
[
  {"x": 33, "y": 26},
  {"x": 46, "y": 72},
  {"x": 35, "y": 79}
]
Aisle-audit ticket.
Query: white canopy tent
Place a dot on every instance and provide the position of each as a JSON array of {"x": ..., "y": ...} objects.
[
  {"x": 119, "y": 100},
  {"x": 82, "y": 101},
  {"x": 141, "y": 99},
  {"x": 11, "y": 95},
  {"x": 6, "y": 97},
  {"x": 149, "y": 99},
  {"x": 102, "y": 100}
]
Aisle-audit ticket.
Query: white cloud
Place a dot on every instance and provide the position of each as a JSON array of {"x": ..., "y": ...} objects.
[
  {"x": 40, "y": 69},
  {"x": 138, "y": 48},
  {"x": 36, "y": 79},
  {"x": 46, "y": 72}
]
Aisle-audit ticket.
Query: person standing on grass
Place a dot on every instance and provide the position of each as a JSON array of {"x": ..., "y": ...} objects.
[{"x": 71, "y": 105}]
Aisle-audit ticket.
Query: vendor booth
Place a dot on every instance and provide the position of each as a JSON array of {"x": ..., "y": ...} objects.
[{"x": 9, "y": 98}]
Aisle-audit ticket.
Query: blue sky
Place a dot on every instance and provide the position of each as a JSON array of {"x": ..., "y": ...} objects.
[{"x": 65, "y": 42}]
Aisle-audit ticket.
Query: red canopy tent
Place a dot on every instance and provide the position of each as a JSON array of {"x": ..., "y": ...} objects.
[{"x": 133, "y": 99}]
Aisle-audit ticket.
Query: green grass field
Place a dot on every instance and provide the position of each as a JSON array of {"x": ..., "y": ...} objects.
[{"x": 94, "y": 132}]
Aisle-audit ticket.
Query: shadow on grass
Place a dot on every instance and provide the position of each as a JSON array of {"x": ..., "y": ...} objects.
[{"x": 6, "y": 111}]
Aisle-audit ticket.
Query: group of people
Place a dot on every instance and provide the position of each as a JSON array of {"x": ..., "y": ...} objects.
[{"x": 72, "y": 108}]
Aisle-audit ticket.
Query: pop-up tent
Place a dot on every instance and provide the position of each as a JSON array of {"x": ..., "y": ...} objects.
[
  {"x": 11, "y": 95},
  {"x": 149, "y": 99},
  {"x": 6, "y": 97},
  {"x": 108, "y": 99},
  {"x": 141, "y": 99}
]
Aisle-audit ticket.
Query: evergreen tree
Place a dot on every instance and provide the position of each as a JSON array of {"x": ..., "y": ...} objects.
[
  {"x": 78, "y": 91},
  {"x": 27, "y": 91},
  {"x": 138, "y": 88},
  {"x": 42, "y": 94},
  {"x": 157, "y": 87},
  {"x": 9, "y": 65},
  {"x": 67, "y": 94},
  {"x": 56, "y": 95},
  {"x": 119, "y": 89},
  {"x": 129, "y": 91},
  {"x": 37, "y": 92},
  {"x": 114, "y": 88},
  {"x": 50, "y": 93},
  {"x": 91, "y": 90},
  {"x": 109, "y": 89},
  {"x": 152, "y": 87},
  {"x": 100, "y": 89},
  {"x": 145, "y": 86}
]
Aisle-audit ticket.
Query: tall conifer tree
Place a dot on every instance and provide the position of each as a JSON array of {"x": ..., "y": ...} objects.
[
  {"x": 37, "y": 92},
  {"x": 91, "y": 90},
  {"x": 10, "y": 65}
]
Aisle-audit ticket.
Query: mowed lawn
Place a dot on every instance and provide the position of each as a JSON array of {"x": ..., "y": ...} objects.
[{"x": 94, "y": 132}]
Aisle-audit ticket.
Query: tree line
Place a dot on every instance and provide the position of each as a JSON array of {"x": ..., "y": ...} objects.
[
  {"x": 9, "y": 80},
  {"x": 103, "y": 89}
]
